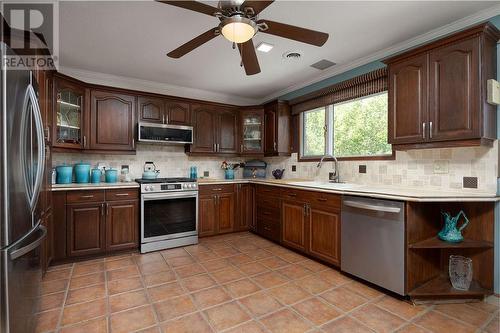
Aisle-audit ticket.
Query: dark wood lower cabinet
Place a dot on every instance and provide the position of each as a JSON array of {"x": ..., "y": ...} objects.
[
  {"x": 216, "y": 210},
  {"x": 246, "y": 209},
  {"x": 121, "y": 225},
  {"x": 47, "y": 248},
  {"x": 294, "y": 224},
  {"x": 85, "y": 227},
  {"x": 324, "y": 234},
  {"x": 206, "y": 216},
  {"x": 93, "y": 222}
]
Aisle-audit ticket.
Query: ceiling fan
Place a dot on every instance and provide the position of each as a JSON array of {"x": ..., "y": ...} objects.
[{"x": 239, "y": 22}]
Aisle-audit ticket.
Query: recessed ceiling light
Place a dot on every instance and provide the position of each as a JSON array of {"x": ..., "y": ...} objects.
[{"x": 264, "y": 47}]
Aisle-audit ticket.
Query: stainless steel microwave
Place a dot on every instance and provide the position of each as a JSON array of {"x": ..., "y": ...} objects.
[{"x": 166, "y": 134}]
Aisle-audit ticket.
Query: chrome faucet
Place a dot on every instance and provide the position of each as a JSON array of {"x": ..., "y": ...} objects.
[{"x": 334, "y": 176}]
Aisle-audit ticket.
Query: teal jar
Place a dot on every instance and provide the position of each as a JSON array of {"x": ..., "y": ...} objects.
[
  {"x": 111, "y": 175},
  {"x": 64, "y": 174},
  {"x": 229, "y": 174},
  {"x": 95, "y": 176},
  {"x": 82, "y": 173}
]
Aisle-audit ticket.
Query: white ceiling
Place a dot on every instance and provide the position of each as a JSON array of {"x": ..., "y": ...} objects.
[{"x": 130, "y": 39}]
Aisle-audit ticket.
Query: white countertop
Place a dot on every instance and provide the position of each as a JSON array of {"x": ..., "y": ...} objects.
[
  {"x": 90, "y": 186},
  {"x": 405, "y": 193}
]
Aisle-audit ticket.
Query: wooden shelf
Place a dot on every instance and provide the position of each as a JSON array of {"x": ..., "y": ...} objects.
[
  {"x": 436, "y": 243},
  {"x": 441, "y": 287}
]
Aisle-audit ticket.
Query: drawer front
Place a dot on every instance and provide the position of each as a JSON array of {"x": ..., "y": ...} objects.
[
  {"x": 83, "y": 196},
  {"x": 293, "y": 194},
  {"x": 269, "y": 229},
  {"x": 267, "y": 202},
  {"x": 266, "y": 190},
  {"x": 216, "y": 189},
  {"x": 325, "y": 199},
  {"x": 122, "y": 194}
]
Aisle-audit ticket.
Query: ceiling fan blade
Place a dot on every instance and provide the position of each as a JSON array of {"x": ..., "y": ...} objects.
[
  {"x": 296, "y": 33},
  {"x": 193, "y": 43},
  {"x": 249, "y": 58},
  {"x": 194, "y": 6},
  {"x": 257, "y": 6}
]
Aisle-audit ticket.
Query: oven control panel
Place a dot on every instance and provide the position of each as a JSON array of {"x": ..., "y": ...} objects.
[{"x": 168, "y": 187}]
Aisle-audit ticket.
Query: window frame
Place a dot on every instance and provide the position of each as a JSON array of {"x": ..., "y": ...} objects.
[{"x": 329, "y": 137}]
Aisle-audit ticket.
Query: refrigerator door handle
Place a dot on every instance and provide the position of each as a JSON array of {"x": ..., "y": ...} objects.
[
  {"x": 40, "y": 143},
  {"x": 30, "y": 247}
]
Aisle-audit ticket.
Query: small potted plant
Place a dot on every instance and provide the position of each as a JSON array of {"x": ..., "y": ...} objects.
[{"x": 229, "y": 169}]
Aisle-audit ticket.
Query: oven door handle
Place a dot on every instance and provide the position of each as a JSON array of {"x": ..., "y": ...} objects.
[{"x": 148, "y": 197}]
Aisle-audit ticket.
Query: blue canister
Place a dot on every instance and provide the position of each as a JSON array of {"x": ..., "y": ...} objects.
[
  {"x": 193, "y": 172},
  {"x": 64, "y": 174},
  {"x": 82, "y": 173},
  {"x": 111, "y": 175},
  {"x": 95, "y": 176}
]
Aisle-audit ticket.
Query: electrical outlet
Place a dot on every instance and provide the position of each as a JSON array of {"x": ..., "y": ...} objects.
[
  {"x": 362, "y": 168},
  {"x": 470, "y": 182},
  {"x": 206, "y": 174},
  {"x": 294, "y": 168},
  {"x": 441, "y": 167}
]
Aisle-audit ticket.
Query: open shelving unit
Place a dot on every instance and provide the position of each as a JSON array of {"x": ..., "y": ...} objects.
[{"x": 427, "y": 255}]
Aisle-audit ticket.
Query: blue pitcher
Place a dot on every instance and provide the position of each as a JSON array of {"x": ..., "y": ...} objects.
[{"x": 450, "y": 232}]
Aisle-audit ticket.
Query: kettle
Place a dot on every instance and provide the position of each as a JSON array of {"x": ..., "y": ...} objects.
[
  {"x": 278, "y": 173},
  {"x": 150, "y": 171}
]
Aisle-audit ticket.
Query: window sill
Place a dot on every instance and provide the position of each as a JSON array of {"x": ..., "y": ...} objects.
[{"x": 351, "y": 158}]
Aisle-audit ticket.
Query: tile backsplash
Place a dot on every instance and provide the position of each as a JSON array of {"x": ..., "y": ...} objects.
[
  {"x": 431, "y": 168},
  {"x": 436, "y": 169}
]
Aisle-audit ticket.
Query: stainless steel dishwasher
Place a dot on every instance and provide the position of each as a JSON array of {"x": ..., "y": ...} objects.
[{"x": 373, "y": 236}]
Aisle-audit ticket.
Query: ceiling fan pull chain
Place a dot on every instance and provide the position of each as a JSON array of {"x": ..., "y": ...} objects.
[{"x": 234, "y": 45}]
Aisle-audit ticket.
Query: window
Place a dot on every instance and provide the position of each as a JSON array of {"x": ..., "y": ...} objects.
[{"x": 355, "y": 128}]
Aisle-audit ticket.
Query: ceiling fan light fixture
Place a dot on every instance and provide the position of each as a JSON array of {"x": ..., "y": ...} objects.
[{"x": 238, "y": 29}]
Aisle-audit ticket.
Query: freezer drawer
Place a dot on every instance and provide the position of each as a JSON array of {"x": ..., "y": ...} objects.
[
  {"x": 21, "y": 276},
  {"x": 372, "y": 243}
]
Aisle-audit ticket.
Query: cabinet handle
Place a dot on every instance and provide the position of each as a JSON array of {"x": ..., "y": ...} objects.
[
  {"x": 215, "y": 147},
  {"x": 168, "y": 120},
  {"x": 102, "y": 209},
  {"x": 305, "y": 210},
  {"x": 423, "y": 130},
  {"x": 84, "y": 141},
  {"x": 274, "y": 145},
  {"x": 133, "y": 143},
  {"x": 430, "y": 130},
  {"x": 241, "y": 148},
  {"x": 266, "y": 213},
  {"x": 292, "y": 194},
  {"x": 47, "y": 134},
  {"x": 217, "y": 189},
  {"x": 122, "y": 194},
  {"x": 218, "y": 146},
  {"x": 163, "y": 120},
  {"x": 322, "y": 199},
  {"x": 267, "y": 228},
  {"x": 107, "y": 209},
  {"x": 87, "y": 196}
]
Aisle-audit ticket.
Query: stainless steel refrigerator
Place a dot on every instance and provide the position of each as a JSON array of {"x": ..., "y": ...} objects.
[{"x": 21, "y": 172}]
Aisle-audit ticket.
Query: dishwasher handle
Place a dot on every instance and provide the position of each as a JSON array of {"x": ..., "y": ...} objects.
[{"x": 362, "y": 205}]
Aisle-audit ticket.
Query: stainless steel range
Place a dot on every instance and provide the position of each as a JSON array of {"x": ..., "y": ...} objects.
[{"x": 169, "y": 213}]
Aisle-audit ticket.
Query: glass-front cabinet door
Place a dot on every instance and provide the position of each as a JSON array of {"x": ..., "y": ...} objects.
[
  {"x": 252, "y": 131},
  {"x": 69, "y": 116}
]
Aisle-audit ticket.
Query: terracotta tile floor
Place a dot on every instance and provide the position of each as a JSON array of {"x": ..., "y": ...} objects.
[{"x": 235, "y": 283}]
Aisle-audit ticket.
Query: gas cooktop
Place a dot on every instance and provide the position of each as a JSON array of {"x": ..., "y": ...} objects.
[{"x": 165, "y": 180}]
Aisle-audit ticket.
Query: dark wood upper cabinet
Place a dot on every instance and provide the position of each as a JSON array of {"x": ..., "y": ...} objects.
[
  {"x": 205, "y": 127},
  {"x": 215, "y": 130},
  {"x": 437, "y": 92},
  {"x": 408, "y": 100},
  {"x": 453, "y": 91},
  {"x": 227, "y": 132},
  {"x": 163, "y": 111},
  {"x": 112, "y": 121},
  {"x": 252, "y": 131},
  {"x": 277, "y": 129},
  {"x": 70, "y": 111},
  {"x": 151, "y": 109},
  {"x": 177, "y": 113}
]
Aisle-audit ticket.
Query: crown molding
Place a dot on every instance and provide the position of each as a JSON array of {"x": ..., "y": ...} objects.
[
  {"x": 154, "y": 87},
  {"x": 450, "y": 28}
]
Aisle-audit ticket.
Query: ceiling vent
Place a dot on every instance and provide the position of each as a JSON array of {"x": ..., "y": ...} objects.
[
  {"x": 292, "y": 55},
  {"x": 323, "y": 64}
]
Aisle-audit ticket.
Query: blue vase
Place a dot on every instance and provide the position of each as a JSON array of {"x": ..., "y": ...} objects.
[
  {"x": 451, "y": 232},
  {"x": 229, "y": 174}
]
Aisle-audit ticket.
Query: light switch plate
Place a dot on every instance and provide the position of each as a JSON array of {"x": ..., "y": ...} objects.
[
  {"x": 493, "y": 88},
  {"x": 441, "y": 167}
]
